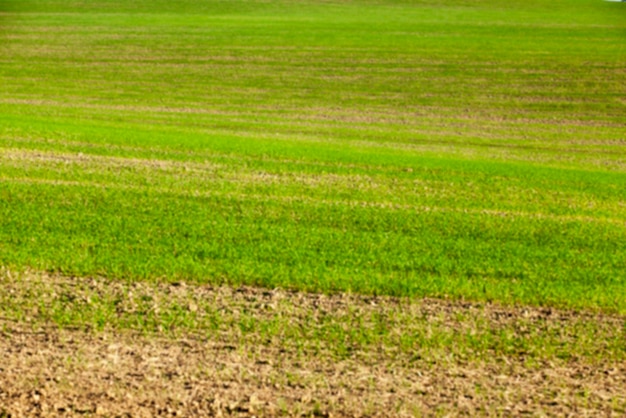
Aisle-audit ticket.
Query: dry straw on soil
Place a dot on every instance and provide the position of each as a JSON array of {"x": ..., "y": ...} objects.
[{"x": 189, "y": 370}]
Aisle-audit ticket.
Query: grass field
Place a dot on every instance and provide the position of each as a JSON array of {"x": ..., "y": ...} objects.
[{"x": 472, "y": 150}]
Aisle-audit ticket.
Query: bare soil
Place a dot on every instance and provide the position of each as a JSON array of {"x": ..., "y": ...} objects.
[{"x": 47, "y": 370}]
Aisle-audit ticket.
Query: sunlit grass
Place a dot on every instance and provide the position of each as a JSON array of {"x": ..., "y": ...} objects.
[{"x": 472, "y": 150}]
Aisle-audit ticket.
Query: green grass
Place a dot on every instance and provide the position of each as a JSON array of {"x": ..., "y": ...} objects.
[{"x": 469, "y": 150}]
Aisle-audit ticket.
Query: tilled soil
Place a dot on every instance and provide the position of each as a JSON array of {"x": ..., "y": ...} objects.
[{"x": 80, "y": 371}]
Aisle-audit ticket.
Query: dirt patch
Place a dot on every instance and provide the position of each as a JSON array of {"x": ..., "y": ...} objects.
[
  {"x": 258, "y": 352},
  {"x": 70, "y": 373}
]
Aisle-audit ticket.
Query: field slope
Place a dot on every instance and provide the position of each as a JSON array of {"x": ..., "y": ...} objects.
[
  {"x": 312, "y": 208},
  {"x": 474, "y": 149}
]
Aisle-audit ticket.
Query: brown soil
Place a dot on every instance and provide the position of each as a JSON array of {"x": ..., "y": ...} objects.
[{"x": 48, "y": 371}]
